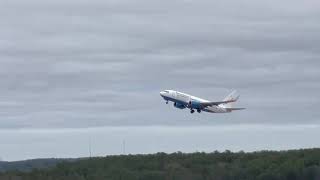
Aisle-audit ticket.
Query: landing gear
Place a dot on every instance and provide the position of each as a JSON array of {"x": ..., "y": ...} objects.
[
  {"x": 198, "y": 110},
  {"x": 167, "y": 102},
  {"x": 192, "y": 111}
]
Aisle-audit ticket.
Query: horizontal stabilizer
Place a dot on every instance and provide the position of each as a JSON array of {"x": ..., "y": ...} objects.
[{"x": 234, "y": 109}]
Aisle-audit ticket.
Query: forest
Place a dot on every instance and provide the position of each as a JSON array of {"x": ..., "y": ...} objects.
[{"x": 303, "y": 164}]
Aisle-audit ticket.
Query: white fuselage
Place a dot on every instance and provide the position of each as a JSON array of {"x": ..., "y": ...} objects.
[{"x": 183, "y": 99}]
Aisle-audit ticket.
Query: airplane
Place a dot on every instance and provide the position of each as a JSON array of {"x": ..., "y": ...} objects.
[{"x": 182, "y": 100}]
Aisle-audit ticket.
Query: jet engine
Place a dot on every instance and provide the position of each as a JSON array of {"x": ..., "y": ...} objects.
[
  {"x": 178, "y": 105},
  {"x": 194, "y": 104}
]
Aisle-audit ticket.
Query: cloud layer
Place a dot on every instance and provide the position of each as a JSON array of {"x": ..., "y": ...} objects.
[{"x": 99, "y": 63}]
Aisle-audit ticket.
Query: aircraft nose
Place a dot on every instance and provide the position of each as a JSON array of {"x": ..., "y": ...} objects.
[{"x": 163, "y": 94}]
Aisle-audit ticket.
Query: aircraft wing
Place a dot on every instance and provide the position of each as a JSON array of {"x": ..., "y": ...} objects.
[{"x": 206, "y": 104}]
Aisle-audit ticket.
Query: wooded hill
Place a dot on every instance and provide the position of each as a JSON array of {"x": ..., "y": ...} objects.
[{"x": 264, "y": 165}]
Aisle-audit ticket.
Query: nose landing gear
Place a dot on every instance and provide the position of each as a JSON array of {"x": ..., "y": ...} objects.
[
  {"x": 198, "y": 110},
  {"x": 167, "y": 102}
]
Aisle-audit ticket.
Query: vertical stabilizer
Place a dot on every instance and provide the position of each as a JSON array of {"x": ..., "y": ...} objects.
[{"x": 233, "y": 96}]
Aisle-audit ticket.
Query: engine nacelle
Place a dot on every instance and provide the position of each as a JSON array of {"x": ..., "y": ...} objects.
[
  {"x": 195, "y": 104},
  {"x": 178, "y": 105}
]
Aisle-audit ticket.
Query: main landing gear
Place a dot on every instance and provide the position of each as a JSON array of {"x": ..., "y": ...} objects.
[
  {"x": 192, "y": 111},
  {"x": 167, "y": 102}
]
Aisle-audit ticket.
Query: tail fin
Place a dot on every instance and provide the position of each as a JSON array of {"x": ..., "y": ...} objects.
[{"x": 233, "y": 96}]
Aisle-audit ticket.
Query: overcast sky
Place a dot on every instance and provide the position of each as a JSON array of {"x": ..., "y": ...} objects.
[{"x": 78, "y": 64}]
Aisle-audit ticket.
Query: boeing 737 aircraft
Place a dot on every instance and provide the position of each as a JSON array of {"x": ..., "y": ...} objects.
[{"x": 183, "y": 100}]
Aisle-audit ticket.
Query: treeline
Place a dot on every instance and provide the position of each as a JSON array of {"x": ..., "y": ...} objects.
[
  {"x": 264, "y": 165},
  {"x": 29, "y": 165}
]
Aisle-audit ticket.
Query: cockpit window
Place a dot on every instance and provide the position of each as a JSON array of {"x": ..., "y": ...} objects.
[{"x": 166, "y": 91}]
